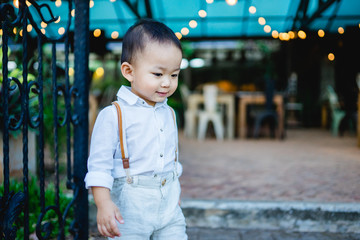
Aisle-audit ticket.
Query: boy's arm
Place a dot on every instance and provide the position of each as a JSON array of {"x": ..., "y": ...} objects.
[{"x": 107, "y": 212}]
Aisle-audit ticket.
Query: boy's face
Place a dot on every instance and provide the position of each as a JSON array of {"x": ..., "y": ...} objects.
[{"x": 154, "y": 72}]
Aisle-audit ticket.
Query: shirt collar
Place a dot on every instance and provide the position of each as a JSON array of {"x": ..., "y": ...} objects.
[{"x": 128, "y": 96}]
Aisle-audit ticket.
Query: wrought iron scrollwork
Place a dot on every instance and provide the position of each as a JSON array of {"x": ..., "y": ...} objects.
[
  {"x": 74, "y": 92},
  {"x": 34, "y": 120},
  {"x": 48, "y": 21},
  {"x": 48, "y": 226},
  {"x": 15, "y": 94},
  {"x": 10, "y": 208},
  {"x": 19, "y": 90}
]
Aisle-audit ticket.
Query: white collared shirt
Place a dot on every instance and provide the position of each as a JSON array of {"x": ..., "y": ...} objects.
[{"x": 151, "y": 138}]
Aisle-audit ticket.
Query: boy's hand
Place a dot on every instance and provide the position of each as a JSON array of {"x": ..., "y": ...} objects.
[{"x": 107, "y": 213}]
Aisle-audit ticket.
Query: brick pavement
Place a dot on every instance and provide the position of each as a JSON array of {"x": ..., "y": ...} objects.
[
  {"x": 309, "y": 165},
  {"x": 254, "y": 234}
]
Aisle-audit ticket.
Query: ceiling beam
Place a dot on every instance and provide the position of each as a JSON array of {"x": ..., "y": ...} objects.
[
  {"x": 148, "y": 9},
  {"x": 132, "y": 8},
  {"x": 333, "y": 16},
  {"x": 322, "y": 7},
  {"x": 300, "y": 15},
  {"x": 119, "y": 16}
]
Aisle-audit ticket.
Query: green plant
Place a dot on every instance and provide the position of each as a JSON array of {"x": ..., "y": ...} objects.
[{"x": 35, "y": 207}]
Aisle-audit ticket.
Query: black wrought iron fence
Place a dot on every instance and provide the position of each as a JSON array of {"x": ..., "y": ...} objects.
[{"x": 24, "y": 100}]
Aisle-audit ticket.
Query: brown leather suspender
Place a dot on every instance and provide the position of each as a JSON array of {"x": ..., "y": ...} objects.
[
  {"x": 125, "y": 160},
  {"x": 173, "y": 112}
]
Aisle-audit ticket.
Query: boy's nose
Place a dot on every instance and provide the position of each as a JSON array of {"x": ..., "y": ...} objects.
[{"x": 165, "y": 82}]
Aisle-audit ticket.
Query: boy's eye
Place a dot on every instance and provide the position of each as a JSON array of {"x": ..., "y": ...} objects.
[
  {"x": 157, "y": 74},
  {"x": 174, "y": 75}
]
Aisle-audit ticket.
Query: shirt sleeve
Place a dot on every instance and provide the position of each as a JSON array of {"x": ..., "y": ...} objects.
[{"x": 103, "y": 145}]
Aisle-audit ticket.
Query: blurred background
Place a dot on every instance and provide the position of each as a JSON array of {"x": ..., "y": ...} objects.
[{"x": 268, "y": 99}]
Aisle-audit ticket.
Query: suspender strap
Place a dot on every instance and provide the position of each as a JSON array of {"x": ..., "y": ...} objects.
[
  {"x": 176, "y": 144},
  {"x": 125, "y": 160}
]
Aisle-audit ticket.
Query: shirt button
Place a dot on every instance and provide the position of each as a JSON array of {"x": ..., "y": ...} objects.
[
  {"x": 163, "y": 182},
  {"x": 161, "y": 155},
  {"x": 161, "y": 130}
]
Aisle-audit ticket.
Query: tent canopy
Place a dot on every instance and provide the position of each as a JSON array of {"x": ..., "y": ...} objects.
[{"x": 214, "y": 19}]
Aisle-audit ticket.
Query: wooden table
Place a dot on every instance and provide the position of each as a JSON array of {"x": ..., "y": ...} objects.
[
  {"x": 246, "y": 98},
  {"x": 228, "y": 100}
]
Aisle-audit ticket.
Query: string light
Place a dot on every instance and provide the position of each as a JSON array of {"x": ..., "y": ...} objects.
[
  {"x": 16, "y": 3},
  {"x": 202, "y": 13},
  {"x": 29, "y": 27},
  {"x": 61, "y": 31},
  {"x": 341, "y": 30},
  {"x": 267, "y": 28},
  {"x": 331, "y": 56},
  {"x": 302, "y": 34},
  {"x": 252, "y": 9},
  {"x": 114, "y": 35},
  {"x": 97, "y": 33},
  {"x": 209, "y": 1},
  {"x": 43, "y": 24},
  {"x": 178, "y": 35},
  {"x": 193, "y": 24},
  {"x": 43, "y": 31},
  {"x": 284, "y": 36},
  {"x": 261, "y": 21},
  {"x": 58, "y": 3},
  {"x": 185, "y": 31},
  {"x": 73, "y": 13},
  {"x": 291, "y": 34},
  {"x": 275, "y": 34},
  {"x": 91, "y": 3},
  {"x": 321, "y": 33},
  {"x": 231, "y": 2}
]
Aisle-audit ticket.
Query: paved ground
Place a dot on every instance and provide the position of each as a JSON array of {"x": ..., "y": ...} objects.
[
  {"x": 309, "y": 165},
  {"x": 251, "y": 234},
  {"x": 247, "y": 234}
]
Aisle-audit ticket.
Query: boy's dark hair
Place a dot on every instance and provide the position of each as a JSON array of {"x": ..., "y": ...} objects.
[{"x": 146, "y": 30}]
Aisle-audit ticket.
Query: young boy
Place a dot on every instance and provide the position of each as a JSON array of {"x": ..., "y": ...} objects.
[{"x": 143, "y": 201}]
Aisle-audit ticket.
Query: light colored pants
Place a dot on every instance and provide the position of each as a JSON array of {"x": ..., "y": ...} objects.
[{"x": 149, "y": 207}]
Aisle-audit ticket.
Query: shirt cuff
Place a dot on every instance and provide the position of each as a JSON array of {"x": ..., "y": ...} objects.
[{"x": 98, "y": 179}]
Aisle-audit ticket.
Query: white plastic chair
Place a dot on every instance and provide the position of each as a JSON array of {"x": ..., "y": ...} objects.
[
  {"x": 190, "y": 116},
  {"x": 210, "y": 113},
  {"x": 337, "y": 115}
]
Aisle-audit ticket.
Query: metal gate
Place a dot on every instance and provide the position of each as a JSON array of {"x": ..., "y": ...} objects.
[{"x": 24, "y": 100}]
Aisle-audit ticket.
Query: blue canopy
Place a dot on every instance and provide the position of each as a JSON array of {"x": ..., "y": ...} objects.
[{"x": 216, "y": 19}]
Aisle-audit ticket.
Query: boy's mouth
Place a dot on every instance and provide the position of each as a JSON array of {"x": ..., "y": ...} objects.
[{"x": 162, "y": 94}]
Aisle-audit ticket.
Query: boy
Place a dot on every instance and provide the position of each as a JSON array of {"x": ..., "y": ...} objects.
[{"x": 141, "y": 202}]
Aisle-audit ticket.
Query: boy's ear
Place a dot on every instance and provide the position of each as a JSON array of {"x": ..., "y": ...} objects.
[{"x": 127, "y": 71}]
